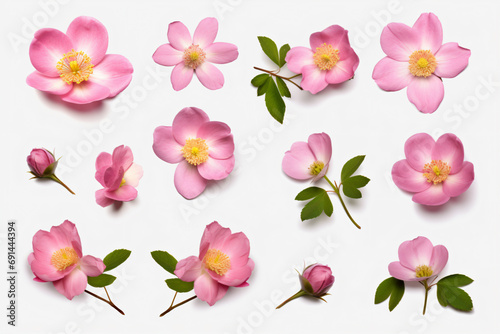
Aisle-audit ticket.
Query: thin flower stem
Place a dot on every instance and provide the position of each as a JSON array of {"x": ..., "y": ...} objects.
[
  {"x": 176, "y": 305},
  {"x": 106, "y": 301},
  {"x": 337, "y": 191},
  {"x": 282, "y": 77},
  {"x": 427, "y": 288},
  {"x": 55, "y": 178},
  {"x": 295, "y": 296}
]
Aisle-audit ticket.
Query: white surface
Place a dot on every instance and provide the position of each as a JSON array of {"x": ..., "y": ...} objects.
[{"x": 257, "y": 198}]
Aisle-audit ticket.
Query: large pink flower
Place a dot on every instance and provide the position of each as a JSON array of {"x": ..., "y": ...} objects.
[
  {"x": 57, "y": 258},
  {"x": 418, "y": 59},
  {"x": 223, "y": 262},
  {"x": 75, "y": 65},
  {"x": 330, "y": 60},
  {"x": 195, "y": 55},
  {"x": 119, "y": 176},
  {"x": 308, "y": 160},
  {"x": 435, "y": 171},
  {"x": 203, "y": 149},
  {"x": 418, "y": 260}
]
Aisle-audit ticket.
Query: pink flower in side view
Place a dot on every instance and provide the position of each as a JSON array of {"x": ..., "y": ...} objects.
[
  {"x": 320, "y": 279},
  {"x": 119, "y": 176},
  {"x": 308, "y": 160},
  {"x": 57, "y": 258},
  {"x": 195, "y": 55},
  {"x": 39, "y": 162},
  {"x": 418, "y": 59},
  {"x": 222, "y": 262},
  {"x": 434, "y": 170},
  {"x": 75, "y": 66},
  {"x": 418, "y": 260},
  {"x": 202, "y": 148},
  {"x": 330, "y": 60}
]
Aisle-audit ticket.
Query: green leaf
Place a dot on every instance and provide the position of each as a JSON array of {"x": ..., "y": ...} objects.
[
  {"x": 282, "y": 87},
  {"x": 397, "y": 295},
  {"x": 101, "y": 280},
  {"x": 357, "y": 181},
  {"x": 455, "y": 297},
  {"x": 350, "y": 167},
  {"x": 309, "y": 193},
  {"x": 259, "y": 79},
  {"x": 164, "y": 259},
  {"x": 327, "y": 205},
  {"x": 179, "y": 285},
  {"x": 351, "y": 192},
  {"x": 274, "y": 102},
  {"x": 441, "y": 297},
  {"x": 390, "y": 287},
  {"x": 283, "y": 51},
  {"x": 262, "y": 89},
  {"x": 456, "y": 280},
  {"x": 315, "y": 207},
  {"x": 115, "y": 258},
  {"x": 270, "y": 49}
]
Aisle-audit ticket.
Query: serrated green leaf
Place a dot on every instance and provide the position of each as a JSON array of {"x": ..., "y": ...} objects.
[
  {"x": 457, "y": 280},
  {"x": 179, "y": 285},
  {"x": 327, "y": 204},
  {"x": 351, "y": 192},
  {"x": 312, "y": 209},
  {"x": 101, "y": 280},
  {"x": 350, "y": 167},
  {"x": 282, "y": 87},
  {"x": 283, "y": 51},
  {"x": 164, "y": 259},
  {"x": 390, "y": 287},
  {"x": 115, "y": 258},
  {"x": 309, "y": 193},
  {"x": 274, "y": 102},
  {"x": 259, "y": 79},
  {"x": 456, "y": 297},
  {"x": 356, "y": 181},
  {"x": 270, "y": 49}
]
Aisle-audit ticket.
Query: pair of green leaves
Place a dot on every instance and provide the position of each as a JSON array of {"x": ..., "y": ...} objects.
[
  {"x": 351, "y": 184},
  {"x": 168, "y": 262},
  {"x": 112, "y": 260},
  {"x": 390, "y": 287}
]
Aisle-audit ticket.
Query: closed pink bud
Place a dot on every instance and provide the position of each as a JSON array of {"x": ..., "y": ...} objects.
[
  {"x": 320, "y": 279},
  {"x": 39, "y": 160}
]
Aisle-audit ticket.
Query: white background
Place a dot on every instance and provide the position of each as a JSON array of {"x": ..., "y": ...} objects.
[{"x": 257, "y": 198}]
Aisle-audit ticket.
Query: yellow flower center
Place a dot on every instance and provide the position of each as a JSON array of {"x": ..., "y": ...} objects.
[
  {"x": 326, "y": 57},
  {"x": 436, "y": 171},
  {"x": 64, "y": 258},
  {"x": 422, "y": 63},
  {"x": 194, "y": 56},
  {"x": 423, "y": 271},
  {"x": 217, "y": 261},
  {"x": 316, "y": 167},
  {"x": 195, "y": 151},
  {"x": 75, "y": 67},
  {"x": 122, "y": 183}
]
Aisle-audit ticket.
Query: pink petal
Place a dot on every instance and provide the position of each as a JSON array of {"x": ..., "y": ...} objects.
[
  {"x": 114, "y": 72},
  {"x": 66, "y": 235},
  {"x": 102, "y": 163},
  {"x": 123, "y": 157},
  {"x": 188, "y": 269},
  {"x": 391, "y": 75},
  {"x": 210, "y": 76},
  {"x": 344, "y": 69},
  {"x": 400, "y": 272},
  {"x": 133, "y": 175},
  {"x": 449, "y": 149},
  {"x": 187, "y": 123},
  {"x": 48, "y": 84},
  {"x": 426, "y": 93},
  {"x": 297, "y": 161},
  {"x": 214, "y": 236},
  {"x": 407, "y": 178},
  {"x": 181, "y": 76},
  {"x": 439, "y": 259},
  {"x": 179, "y": 36},
  {"x": 215, "y": 169},
  {"x": 166, "y": 55},
  {"x": 452, "y": 59},
  {"x": 416, "y": 252},
  {"x": 90, "y": 36},
  {"x": 72, "y": 285},
  {"x": 221, "y": 53},
  {"x": 234, "y": 277},
  {"x": 165, "y": 146},
  {"x": 101, "y": 199},
  {"x": 334, "y": 35},
  {"x": 86, "y": 92},
  {"x": 46, "y": 272},
  {"x": 321, "y": 146},
  {"x": 313, "y": 79},
  {"x": 219, "y": 139},
  {"x": 429, "y": 29},
  {"x": 205, "y": 32},
  {"x": 113, "y": 177},
  {"x": 45, "y": 244},
  {"x": 433, "y": 196},
  {"x": 47, "y": 48},
  {"x": 299, "y": 57},
  {"x": 188, "y": 181},
  {"x": 92, "y": 266},
  {"x": 207, "y": 289},
  {"x": 418, "y": 149},
  {"x": 123, "y": 194},
  {"x": 399, "y": 41},
  {"x": 458, "y": 183},
  {"x": 237, "y": 247}
]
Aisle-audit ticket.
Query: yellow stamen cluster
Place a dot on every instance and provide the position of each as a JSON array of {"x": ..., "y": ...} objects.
[
  {"x": 436, "y": 171},
  {"x": 423, "y": 271},
  {"x": 316, "y": 168},
  {"x": 195, "y": 151},
  {"x": 326, "y": 57},
  {"x": 217, "y": 261},
  {"x": 75, "y": 67},
  {"x": 194, "y": 56},
  {"x": 422, "y": 63},
  {"x": 64, "y": 258}
]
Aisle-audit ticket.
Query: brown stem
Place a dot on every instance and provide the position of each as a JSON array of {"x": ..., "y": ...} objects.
[
  {"x": 172, "y": 306},
  {"x": 104, "y": 300},
  {"x": 55, "y": 178},
  {"x": 279, "y": 76}
]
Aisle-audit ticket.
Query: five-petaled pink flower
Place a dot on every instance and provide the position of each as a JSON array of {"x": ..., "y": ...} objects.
[
  {"x": 330, "y": 60},
  {"x": 119, "y": 176},
  {"x": 418, "y": 260},
  {"x": 57, "y": 258},
  {"x": 308, "y": 160},
  {"x": 75, "y": 65},
  {"x": 418, "y": 59},
  {"x": 223, "y": 262},
  {"x": 195, "y": 55},
  {"x": 434, "y": 170},
  {"x": 203, "y": 148}
]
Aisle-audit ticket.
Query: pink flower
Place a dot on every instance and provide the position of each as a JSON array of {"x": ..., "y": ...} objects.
[
  {"x": 119, "y": 176},
  {"x": 57, "y": 258},
  {"x": 435, "y": 171},
  {"x": 418, "y": 260},
  {"x": 308, "y": 160},
  {"x": 418, "y": 59},
  {"x": 39, "y": 161},
  {"x": 330, "y": 60},
  {"x": 223, "y": 262},
  {"x": 75, "y": 65},
  {"x": 320, "y": 279},
  {"x": 203, "y": 149},
  {"x": 195, "y": 55}
]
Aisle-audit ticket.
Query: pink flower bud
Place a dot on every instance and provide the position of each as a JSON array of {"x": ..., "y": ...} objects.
[
  {"x": 317, "y": 279},
  {"x": 39, "y": 160}
]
